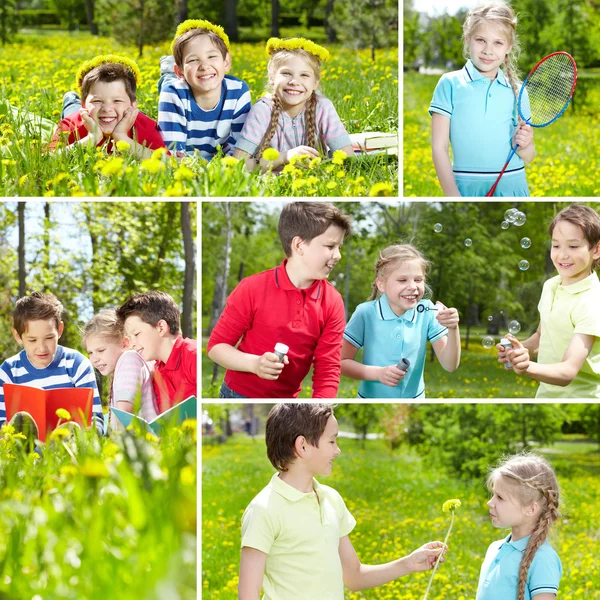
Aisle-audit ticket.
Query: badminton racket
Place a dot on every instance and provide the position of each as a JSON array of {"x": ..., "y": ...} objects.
[{"x": 545, "y": 95}]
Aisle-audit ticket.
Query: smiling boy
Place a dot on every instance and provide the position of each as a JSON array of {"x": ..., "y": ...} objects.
[
  {"x": 109, "y": 112},
  {"x": 151, "y": 322},
  {"x": 43, "y": 363},
  {"x": 296, "y": 531},
  {"x": 204, "y": 107},
  {"x": 567, "y": 340},
  {"x": 292, "y": 304}
]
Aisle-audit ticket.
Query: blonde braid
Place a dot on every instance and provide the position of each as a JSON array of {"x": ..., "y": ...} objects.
[
  {"x": 310, "y": 122},
  {"x": 512, "y": 76},
  {"x": 272, "y": 128}
]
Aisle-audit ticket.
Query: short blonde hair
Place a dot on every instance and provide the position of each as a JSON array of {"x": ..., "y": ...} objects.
[{"x": 105, "y": 323}]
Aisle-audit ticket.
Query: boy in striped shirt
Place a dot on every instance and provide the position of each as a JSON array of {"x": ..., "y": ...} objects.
[
  {"x": 43, "y": 363},
  {"x": 202, "y": 108}
]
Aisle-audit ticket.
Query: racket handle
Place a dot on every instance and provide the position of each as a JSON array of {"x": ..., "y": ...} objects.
[{"x": 493, "y": 188}]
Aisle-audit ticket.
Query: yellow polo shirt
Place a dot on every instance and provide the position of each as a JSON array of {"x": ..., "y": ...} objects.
[
  {"x": 565, "y": 311},
  {"x": 301, "y": 537}
]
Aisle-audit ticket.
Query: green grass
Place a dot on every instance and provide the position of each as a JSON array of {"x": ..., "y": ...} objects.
[
  {"x": 567, "y": 152},
  {"x": 478, "y": 376},
  {"x": 396, "y": 499}
]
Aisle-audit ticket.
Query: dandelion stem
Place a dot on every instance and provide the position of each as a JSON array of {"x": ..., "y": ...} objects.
[{"x": 437, "y": 562}]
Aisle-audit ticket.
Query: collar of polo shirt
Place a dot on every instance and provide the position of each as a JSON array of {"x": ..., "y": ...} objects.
[
  {"x": 387, "y": 314},
  {"x": 581, "y": 286},
  {"x": 519, "y": 545},
  {"x": 291, "y": 493},
  {"x": 282, "y": 281},
  {"x": 472, "y": 74}
]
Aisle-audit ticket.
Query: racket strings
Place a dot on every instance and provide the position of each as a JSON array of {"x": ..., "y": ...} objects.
[{"x": 548, "y": 89}]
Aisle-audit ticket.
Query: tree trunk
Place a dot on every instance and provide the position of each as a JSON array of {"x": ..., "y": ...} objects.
[
  {"x": 230, "y": 20},
  {"x": 141, "y": 32},
  {"x": 89, "y": 13},
  {"x": 329, "y": 28},
  {"x": 182, "y": 13},
  {"x": 22, "y": 274},
  {"x": 170, "y": 214},
  {"x": 89, "y": 217},
  {"x": 188, "y": 280},
  {"x": 523, "y": 426},
  {"x": 275, "y": 18}
]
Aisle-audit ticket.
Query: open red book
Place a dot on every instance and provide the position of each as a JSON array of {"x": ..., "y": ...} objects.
[{"x": 43, "y": 404}]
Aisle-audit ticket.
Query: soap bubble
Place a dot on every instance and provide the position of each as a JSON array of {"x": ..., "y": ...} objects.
[
  {"x": 520, "y": 218},
  {"x": 501, "y": 312},
  {"x": 468, "y": 242},
  {"x": 505, "y": 224},
  {"x": 514, "y": 327},
  {"x": 488, "y": 342},
  {"x": 524, "y": 265},
  {"x": 490, "y": 318},
  {"x": 511, "y": 214},
  {"x": 525, "y": 243},
  {"x": 438, "y": 227}
]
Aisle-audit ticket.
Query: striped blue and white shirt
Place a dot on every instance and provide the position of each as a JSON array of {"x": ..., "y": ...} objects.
[
  {"x": 186, "y": 127},
  {"x": 68, "y": 369}
]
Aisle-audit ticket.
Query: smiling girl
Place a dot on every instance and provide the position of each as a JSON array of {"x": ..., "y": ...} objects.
[
  {"x": 395, "y": 326},
  {"x": 109, "y": 352},
  {"x": 295, "y": 118}
]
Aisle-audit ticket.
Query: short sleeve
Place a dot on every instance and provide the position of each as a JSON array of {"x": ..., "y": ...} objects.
[
  {"x": 130, "y": 375},
  {"x": 545, "y": 572},
  {"x": 355, "y": 329},
  {"x": 331, "y": 127},
  {"x": 585, "y": 316},
  {"x": 347, "y": 521},
  {"x": 442, "y": 98},
  {"x": 255, "y": 127},
  {"x": 258, "y": 529}
]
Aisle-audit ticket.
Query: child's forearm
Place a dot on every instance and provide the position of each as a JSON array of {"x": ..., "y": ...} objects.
[
  {"x": 450, "y": 358},
  {"x": 561, "y": 374},
  {"x": 369, "y": 576},
  {"x": 445, "y": 174},
  {"x": 233, "y": 359},
  {"x": 249, "y": 160},
  {"x": 533, "y": 343},
  {"x": 355, "y": 370}
]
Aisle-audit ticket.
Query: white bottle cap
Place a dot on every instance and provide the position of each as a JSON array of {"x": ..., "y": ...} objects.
[
  {"x": 279, "y": 347},
  {"x": 506, "y": 343}
]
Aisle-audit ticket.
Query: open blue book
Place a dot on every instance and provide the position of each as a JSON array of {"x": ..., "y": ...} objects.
[{"x": 187, "y": 409}]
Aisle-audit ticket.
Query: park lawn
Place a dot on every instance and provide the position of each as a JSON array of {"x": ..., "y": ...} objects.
[
  {"x": 567, "y": 152},
  {"x": 396, "y": 499},
  {"x": 478, "y": 376},
  {"x": 365, "y": 94}
]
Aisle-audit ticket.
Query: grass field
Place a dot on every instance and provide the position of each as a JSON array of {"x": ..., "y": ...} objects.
[
  {"x": 364, "y": 94},
  {"x": 86, "y": 518},
  {"x": 479, "y": 376},
  {"x": 567, "y": 152},
  {"x": 396, "y": 500}
]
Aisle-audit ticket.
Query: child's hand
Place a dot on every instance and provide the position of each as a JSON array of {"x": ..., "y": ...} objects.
[
  {"x": 123, "y": 127},
  {"x": 390, "y": 376},
  {"x": 92, "y": 126},
  {"x": 502, "y": 354},
  {"x": 301, "y": 151},
  {"x": 448, "y": 317},
  {"x": 269, "y": 366},
  {"x": 523, "y": 135},
  {"x": 518, "y": 355},
  {"x": 425, "y": 557}
]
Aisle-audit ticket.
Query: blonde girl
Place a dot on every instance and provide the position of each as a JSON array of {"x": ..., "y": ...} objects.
[
  {"x": 475, "y": 110},
  {"x": 108, "y": 349},
  {"x": 395, "y": 324},
  {"x": 294, "y": 118},
  {"x": 525, "y": 497}
]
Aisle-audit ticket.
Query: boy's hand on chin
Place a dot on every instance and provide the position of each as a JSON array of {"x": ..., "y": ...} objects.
[
  {"x": 92, "y": 126},
  {"x": 123, "y": 127}
]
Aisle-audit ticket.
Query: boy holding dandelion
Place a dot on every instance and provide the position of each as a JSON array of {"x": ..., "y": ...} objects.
[{"x": 296, "y": 532}]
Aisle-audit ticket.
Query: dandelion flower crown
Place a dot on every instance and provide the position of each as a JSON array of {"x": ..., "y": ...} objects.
[
  {"x": 200, "y": 24},
  {"x": 102, "y": 59},
  {"x": 277, "y": 44}
]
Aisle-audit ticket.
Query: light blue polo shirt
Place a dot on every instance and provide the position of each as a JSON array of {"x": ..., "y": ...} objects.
[
  {"x": 500, "y": 571},
  {"x": 483, "y": 118},
  {"x": 386, "y": 339}
]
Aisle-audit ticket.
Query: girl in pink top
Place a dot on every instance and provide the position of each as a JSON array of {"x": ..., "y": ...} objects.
[
  {"x": 129, "y": 374},
  {"x": 294, "y": 119}
]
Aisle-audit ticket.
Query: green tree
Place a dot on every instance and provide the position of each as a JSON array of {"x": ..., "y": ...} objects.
[{"x": 8, "y": 20}]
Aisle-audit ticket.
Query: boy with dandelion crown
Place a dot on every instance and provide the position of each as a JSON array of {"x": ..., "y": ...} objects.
[
  {"x": 201, "y": 107},
  {"x": 109, "y": 115},
  {"x": 296, "y": 531},
  {"x": 295, "y": 119}
]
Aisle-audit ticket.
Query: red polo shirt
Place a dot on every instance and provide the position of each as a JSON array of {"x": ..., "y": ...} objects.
[
  {"x": 144, "y": 131},
  {"x": 267, "y": 308},
  {"x": 175, "y": 380}
]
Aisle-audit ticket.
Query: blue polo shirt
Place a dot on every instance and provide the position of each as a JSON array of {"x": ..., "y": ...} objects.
[
  {"x": 387, "y": 338},
  {"x": 500, "y": 571},
  {"x": 483, "y": 119}
]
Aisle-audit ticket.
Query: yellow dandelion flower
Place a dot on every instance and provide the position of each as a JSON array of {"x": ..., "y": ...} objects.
[
  {"x": 332, "y": 185},
  {"x": 270, "y": 154},
  {"x": 229, "y": 161},
  {"x": 151, "y": 165},
  {"x": 187, "y": 476},
  {"x": 381, "y": 189},
  {"x": 159, "y": 153},
  {"x": 184, "y": 174},
  {"x": 452, "y": 504},
  {"x": 347, "y": 97},
  {"x": 94, "y": 468},
  {"x": 339, "y": 156},
  {"x": 60, "y": 433},
  {"x": 63, "y": 414},
  {"x": 122, "y": 145}
]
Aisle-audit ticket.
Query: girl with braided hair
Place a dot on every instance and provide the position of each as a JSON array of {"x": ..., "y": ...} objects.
[
  {"x": 524, "y": 565},
  {"x": 294, "y": 119},
  {"x": 475, "y": 110},
  {"x": 395, "y": 324}
]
